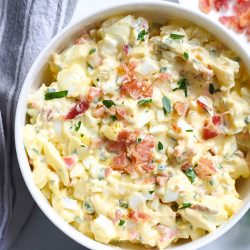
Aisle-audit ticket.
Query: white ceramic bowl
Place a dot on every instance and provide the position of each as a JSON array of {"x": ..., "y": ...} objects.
[{"x": 157, "y": 10}]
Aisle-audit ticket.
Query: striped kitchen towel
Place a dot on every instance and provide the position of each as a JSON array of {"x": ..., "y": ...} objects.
[{"x": 26, "y": 26}]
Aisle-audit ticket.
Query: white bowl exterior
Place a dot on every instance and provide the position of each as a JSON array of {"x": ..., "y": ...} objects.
[{"x": 141, "y": 6}]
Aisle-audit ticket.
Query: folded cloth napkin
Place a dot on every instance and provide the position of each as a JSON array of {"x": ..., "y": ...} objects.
[{"x": 26, "y": 26}]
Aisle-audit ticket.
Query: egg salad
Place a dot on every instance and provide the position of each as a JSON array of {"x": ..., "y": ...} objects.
[{"x": 143, "y": 132}]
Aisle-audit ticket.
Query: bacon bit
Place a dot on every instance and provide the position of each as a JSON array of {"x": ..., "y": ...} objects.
[
  {"x": 96, "y": 143},
  {"x": 186, "y": 166},
  {"x": 164, "y": 76},
  {"x": 203, "y": 209},
  {"x": 231, "y": 22},
  {"x": 203, "y": 105},
  {"x": 133, "y": 86},
  {"x": 107, "y": 171},
  {"x": 121, "y": 112},
  {"x": 121, "y": 163},
  {"x": 78, "y": 109},
  {"x": 149, "y": 180},
  {"x": 245, "y": 19},
  {"x": 216, "y": 119},
  {"x": 135, "y": 216},
  {"x": 210, "y": 131},
  {"x": 69, "y": 161},
  {"x": 166, "y": 233},
  {"x": 176, "y": 128},
  {"x": 206, "y": 5},
  {"x": 205, "y": 168},
  {"x": 142, "y": 152},
  {"x": 125, "y": 48},
  {"x": 83, "y": 39},
  {"x": 162, "y": 179},
  {"x": 241, "y": 6},
  {"x": 181, "y": 108},
  {"x": 221, "y": 4},
  {"x": 99, "y": 112},
  {"x": 118, "y": 215},
  {"x": 148, "y": 167},
  {"x": 94, "y": 93}
]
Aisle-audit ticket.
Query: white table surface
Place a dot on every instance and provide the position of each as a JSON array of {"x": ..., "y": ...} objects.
[{"x": 40, "y": 234}]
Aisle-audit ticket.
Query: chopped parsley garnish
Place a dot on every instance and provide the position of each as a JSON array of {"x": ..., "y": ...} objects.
[
  {"x": 189, "y": 130},
  {"x": 123, "y": 204},
  {"x": 163, "y": 69},
  {"x": 151, "y": 192},
  {"x": 108, "y": 103},
  {"x": 89, "y": 208},
  {"x": 160, "y": 146},
  {"x": 55, "y": 95},
  {"x": 92, "y": 51},
  {"x": 141, "y": 35},
  {"x": 212, "y": 90},
  {"x": 139, "y": 140},
  {"x": 77, "y": 127},
  {"x": 166, "y": 105},
  {"x": 121, "y": 222},
  {"x": 190, "y": 173},
  {"x": 182, "y": 84},
  {"x": 185, "y": 55},
  {"x": 176, "y": 36},
  {"x": 247, "y": 120},
  {"x": 185, "y": 205},
  {"x": 144, "y": 101},
  {"x": 113, "y": 118},
  {"x": 89, "y": 66}
]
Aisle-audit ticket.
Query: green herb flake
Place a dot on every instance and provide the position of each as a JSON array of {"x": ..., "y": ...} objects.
[
  {"x": 121, "y": 222},
  {"x": 113, "y": 118},
  {"x": 77, "y": 127},
  {"x": 123, "y": 204},
  {"x": 176, "y": 36},
  {"x": 247, "y": 120},
  {"x": 190, "y": 173},
  {"x": 182, "y": 85},
  {"x": 166, "y": 105},
  {"x": 160, "y": 146},
  {"x": 92, "y": 51},
  {"x": 186, "y": 205},
  {"x": 212, "y": 89},
  {"x": 90, "y": 66},
  {"x": 151, "y": 192},
  {"x": 55, "y": 95},
  {"x": 186, "y": 56},
  {"x": 144, "y": 101},
  {"x": 108, "y": 103},
  {"x": 189, "y": 130},
  {"x": 163, "y": 69},
  {"x": 141, "y": 35},
  {"x": 89, "y": 208},
  {"x": 211, "y": 182},
  {"x": 139, "y": 140}
]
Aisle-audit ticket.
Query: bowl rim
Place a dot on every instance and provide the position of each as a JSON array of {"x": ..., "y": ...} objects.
[{"x": 22, "y": 103}]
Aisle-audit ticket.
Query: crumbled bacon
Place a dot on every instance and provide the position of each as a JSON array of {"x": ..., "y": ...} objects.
[
  {"x": 164, "y": 76},
  {"x": 132, "y": 86},
  {"x": 132, "y": 154},
  {"x": 221, "y": 5},
  {"x": 205, "y": 168},
  {"x": 101, "y": 111},
  {"x": 216, "y": 119},
  {"x": 206, "y": 5},
  {"x": 107, "y": 171},
  {"x": 78, "y": 109},
  {"x": 125, "y": 48},
  {"x": 94, "y": 93},
  {"x": 231, "y": 22},
  {"x": 161, "y": 179},
  {"x": 203, "y": 105},
  {"x": 175, "y": 127},
  {"x": 181, "y": 108},
  {"x": 69, "y": 161},
  {"x": 136, "y": 216},
  {"x": 210, "y": 130}
]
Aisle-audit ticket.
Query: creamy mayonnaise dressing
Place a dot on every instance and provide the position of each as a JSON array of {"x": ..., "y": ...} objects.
[{"x": 135, "y": 139}]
